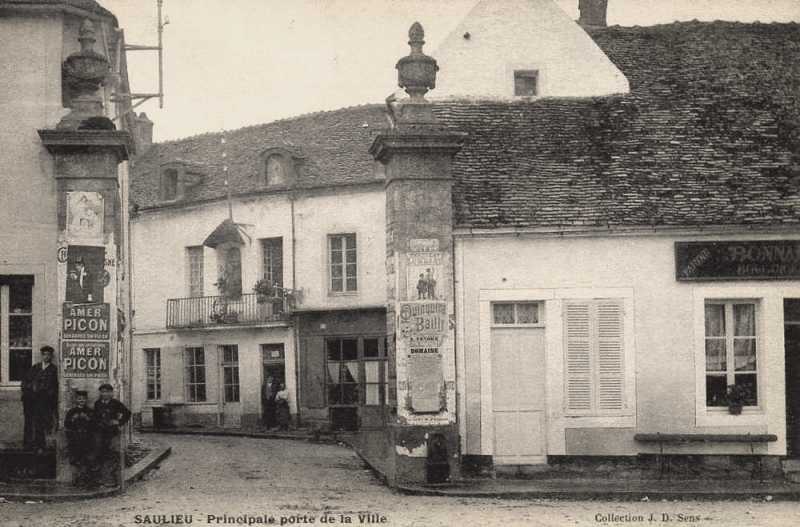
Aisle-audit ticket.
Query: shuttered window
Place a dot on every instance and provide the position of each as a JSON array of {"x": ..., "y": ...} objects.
[{"x": 594, "y": 357}]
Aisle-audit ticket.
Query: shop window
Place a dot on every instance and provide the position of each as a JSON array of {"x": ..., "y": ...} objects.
[
  {"x": 358, "y": 371},
  {"x": 526, "y": 83},
  {"x": 152, "y": 360},
  {"x": 195, "y": 378},
  {"x": 343, "y": 263},
  {"x": 16, "y": 327},
  {"x": 230, "y": 372},
  {"x": 594, "y": 357},
  {"x": 194, "y": 259},
  {"x": 731, "y": 351},
  {"x": 516, "y": 313}
]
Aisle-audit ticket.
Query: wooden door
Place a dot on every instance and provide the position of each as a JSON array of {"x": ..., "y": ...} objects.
[{"x": 518, "y": 395}]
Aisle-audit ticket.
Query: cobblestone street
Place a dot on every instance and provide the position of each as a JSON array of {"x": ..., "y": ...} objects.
[{"x": 298, "y": 483}]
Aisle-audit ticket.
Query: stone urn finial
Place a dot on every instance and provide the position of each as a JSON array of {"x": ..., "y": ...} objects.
[
  {"x": 82, "y": 74},
  {"x": 416, "y": 72}
]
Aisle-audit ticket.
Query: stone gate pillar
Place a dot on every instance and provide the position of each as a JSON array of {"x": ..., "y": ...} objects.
[
  {"x": 417, "y": 154},
  {"x": 87, "y": 149}
]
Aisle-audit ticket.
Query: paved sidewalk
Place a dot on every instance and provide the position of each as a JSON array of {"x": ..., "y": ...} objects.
[{"x": 49, "y": 490}]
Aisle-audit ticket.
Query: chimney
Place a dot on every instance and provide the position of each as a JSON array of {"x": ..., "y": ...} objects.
[
  {"x": 143, "y": 132},
  {"x": 592, "y": 13}
]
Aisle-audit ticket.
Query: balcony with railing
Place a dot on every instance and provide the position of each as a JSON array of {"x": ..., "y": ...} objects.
[{"x": 247, "y": 309}]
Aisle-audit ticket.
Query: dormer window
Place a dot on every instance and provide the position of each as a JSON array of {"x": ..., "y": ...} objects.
[
  {"x": 169, "y": 184},
  {"x": 178, "y": 178},
  {"x": 526, "y": 83},
  {"x": 275, "y": 172},
  {"x": 279, "y": 166}
]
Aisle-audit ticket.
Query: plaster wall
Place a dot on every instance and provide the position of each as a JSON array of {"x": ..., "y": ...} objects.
[
  {"x": 478, "y": 58},
  {"x": 172, "y": 346},
  {"x": 666, "y": 331}
]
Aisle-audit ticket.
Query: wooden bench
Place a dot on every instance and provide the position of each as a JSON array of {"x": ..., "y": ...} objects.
[{"x": 661, "y": 439}]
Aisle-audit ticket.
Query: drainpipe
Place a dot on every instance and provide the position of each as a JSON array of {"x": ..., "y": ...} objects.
[{"x": 295, "y": 318}]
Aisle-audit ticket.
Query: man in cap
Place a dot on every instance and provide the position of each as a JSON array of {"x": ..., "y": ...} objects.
[
  {"x": 79, "y": 425},
  {"x": 109, "y": 416},
  {"x": 40, "y": 400}
]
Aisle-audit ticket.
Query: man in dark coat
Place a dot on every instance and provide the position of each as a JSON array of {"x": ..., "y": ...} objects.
[
  {"x": 40, "y": 400},
  {"x": 78, "y": 424},
  {"x": 268, "y": 391},
  {"x": 109, "y": 416}
]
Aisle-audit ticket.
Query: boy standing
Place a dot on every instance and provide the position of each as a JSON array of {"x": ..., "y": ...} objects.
[
  {"x": 78, "y": 426},
  {"x": 109, "y": 416}
]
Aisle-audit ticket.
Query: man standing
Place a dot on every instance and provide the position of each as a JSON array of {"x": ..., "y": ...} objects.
[
  {"x": 109, "y": 416},
  {"x": 40, "y": 400},
  {"x": 268, "y": 391},
  {"x": 78, "y": 425}
]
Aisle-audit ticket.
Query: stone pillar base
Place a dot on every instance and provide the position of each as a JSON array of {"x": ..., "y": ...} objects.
[{"x": 414, "y": 458}]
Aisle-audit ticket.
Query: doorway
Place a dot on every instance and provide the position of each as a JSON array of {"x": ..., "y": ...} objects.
[
  {"x": 273, "y": 367},
  {"x": 518, "y": 395},
  {"x": 791, "y": 320}
]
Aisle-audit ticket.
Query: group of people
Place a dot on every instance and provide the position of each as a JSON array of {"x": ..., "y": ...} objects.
[
  {"x": 90, "y": 437},
  {"x": 90, "y": 431},
  {"x": 275, "y": 404}
]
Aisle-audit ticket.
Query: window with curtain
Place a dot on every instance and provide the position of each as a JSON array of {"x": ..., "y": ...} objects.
[
  {"x": 731, "y": 351},
  {"x": 272, "y": 260},
  {"x": 357, "y": 371}
]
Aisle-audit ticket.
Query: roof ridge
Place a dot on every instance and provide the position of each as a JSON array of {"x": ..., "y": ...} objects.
[{"x": 268, "y": 123}]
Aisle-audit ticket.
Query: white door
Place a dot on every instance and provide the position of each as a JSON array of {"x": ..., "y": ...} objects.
[
  {"x": 518, "y": 395},
  {"x": 230, "y": 396}
]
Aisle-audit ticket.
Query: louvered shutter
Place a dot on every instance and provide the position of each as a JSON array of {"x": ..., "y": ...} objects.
[
  {"x": 610, "y": 357},
  {"x": 577, "y": 333}
]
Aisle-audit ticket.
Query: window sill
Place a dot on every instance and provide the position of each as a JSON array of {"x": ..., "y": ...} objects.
[
  {"x": 342, "y": 293},
  {"x": 627, "y": 420},
  {"x": 753, "y": 416}
]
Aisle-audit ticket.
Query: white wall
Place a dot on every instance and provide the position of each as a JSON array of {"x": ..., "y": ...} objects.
[
  {"x": 524, "y": 35},
  {"x": 667, "y": 319}
]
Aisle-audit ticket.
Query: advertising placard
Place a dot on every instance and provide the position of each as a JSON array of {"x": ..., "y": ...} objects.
[
  {"x": 85, "y": 322},
  {"x": 84, "y": 359}
]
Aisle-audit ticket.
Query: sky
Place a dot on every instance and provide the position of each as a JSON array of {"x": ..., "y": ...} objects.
[{"x": 233, "y": 63}]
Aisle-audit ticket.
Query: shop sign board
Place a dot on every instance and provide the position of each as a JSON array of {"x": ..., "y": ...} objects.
[{"x": 737, "y": 260}]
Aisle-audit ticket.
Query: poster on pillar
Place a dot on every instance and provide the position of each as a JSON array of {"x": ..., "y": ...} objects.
[
  {"x": 422, "y": 329},
  {"x": 424, "y": 266},
  {"x": 85, "y": 218},
  {"x": 87, "y": 277}
]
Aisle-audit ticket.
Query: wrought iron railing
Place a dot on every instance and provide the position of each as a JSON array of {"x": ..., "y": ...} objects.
[{"x": 245, "y": 309}]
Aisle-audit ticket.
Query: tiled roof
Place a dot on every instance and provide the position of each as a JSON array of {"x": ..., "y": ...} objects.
[
  {"x": 330, "y": 149},
  {"x": 86, "y": 5},
  {"x": 706, "y": 136}
]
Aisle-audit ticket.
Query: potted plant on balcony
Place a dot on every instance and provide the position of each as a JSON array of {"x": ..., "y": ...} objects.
[
  {"x": 736, "y": 396},
  {"x": 266, "y": 291},
  {"x": 220, "y": 312}
]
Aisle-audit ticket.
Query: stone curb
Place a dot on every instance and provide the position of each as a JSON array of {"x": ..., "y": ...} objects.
[
  {"x": 255, "y": 435},
  {"x": 651, "y": 494},
  {"x": 137, "y": 471}
]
